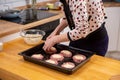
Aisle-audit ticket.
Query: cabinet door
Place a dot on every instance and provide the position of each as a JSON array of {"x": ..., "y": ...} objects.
[
  {"x": 119, "y": 35},
  {"x": 112, "y": 25}
]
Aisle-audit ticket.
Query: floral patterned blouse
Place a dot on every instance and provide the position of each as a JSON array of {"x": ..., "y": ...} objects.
[{"x": 81, "y": 10}]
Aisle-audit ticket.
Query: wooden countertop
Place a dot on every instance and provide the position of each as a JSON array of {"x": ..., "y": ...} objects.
[
  {"x": 7, "y": 28},
  {"x": 14, "y": 67}
]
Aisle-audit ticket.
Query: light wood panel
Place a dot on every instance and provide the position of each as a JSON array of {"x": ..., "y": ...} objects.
[{"x": 13, "y": 65}]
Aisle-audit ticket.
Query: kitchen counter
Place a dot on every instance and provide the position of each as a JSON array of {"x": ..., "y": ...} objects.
[
  {"x": 112, "y": 4},
  {"x": 7, "y": 28},
  {"x": 14, "y": 67}
]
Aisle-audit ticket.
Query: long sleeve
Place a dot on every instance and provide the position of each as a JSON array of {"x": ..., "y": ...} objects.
[{"x": 81, "y": 10}]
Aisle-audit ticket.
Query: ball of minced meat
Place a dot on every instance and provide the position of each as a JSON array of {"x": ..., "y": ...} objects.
[
  {"x": 57, "y": 57},
  {"x": 52, "y": 61},
  {"x": 68, "y": 65},
  {"x": 66, "y": 53},
  {"x": 37, "y": 56},
  {"x": 52, "y": 50},
  {"x": 78, "y": 58}
]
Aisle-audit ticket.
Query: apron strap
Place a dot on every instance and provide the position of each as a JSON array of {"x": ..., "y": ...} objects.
[{"x": 68, "y": 14}]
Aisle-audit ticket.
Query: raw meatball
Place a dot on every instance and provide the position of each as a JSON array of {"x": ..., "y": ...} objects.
[
  {"x": 68, "y": 65},
  {"x": 37, "y": 56},
  {"x": 57, "y": 57},
  {"x": 52, "y": 50},
  {"x": 52, "y": 61},
  {"x": 78, "y": 58},
  {"x": 66, "y": 53}
]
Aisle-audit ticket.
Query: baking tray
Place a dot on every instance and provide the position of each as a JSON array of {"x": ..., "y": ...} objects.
[{"x": 38, "y": 50}]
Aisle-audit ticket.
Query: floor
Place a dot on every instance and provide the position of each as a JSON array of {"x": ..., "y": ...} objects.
[{"x": 113, "y": 55}]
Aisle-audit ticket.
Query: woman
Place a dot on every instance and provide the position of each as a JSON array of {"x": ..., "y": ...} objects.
[{"x": 89, "y": 32}]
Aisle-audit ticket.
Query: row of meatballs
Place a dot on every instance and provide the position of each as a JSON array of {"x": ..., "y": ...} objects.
[{"x": 57, "y": 57}]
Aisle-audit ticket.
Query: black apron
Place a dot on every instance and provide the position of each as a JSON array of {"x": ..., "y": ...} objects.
[{"x": 96, "y": 42}]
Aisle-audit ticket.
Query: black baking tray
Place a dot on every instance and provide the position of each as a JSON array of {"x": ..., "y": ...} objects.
[{"x": 38, "y": 50}]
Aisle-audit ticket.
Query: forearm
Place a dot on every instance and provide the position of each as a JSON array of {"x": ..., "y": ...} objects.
[
  {"x": 61, "y": 26},
  {"x": 54, "y": 40},
  {"x": 61, "y": 38}
]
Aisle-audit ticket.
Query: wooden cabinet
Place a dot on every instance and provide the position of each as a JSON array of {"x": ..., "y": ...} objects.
[
  {"x": 5, "y": 75},
  {"x": 113, "y": 25}
]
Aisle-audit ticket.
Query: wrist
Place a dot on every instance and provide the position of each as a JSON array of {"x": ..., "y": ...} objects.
[
  {"x": 55, "y": 40},
  {"x": 60, "y": 38}
]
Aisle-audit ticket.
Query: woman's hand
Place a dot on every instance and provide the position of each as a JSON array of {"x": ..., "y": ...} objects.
[
  {"x": 50, "y": 42},
  {"x": 55, "y": 40},
  {"x": 58, "y": 29}
]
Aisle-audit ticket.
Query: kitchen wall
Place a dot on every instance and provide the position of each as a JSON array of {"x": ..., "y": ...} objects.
[{"x": 15, "y": 3}]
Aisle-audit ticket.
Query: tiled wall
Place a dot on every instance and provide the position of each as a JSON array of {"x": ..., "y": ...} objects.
[{"x": 15, "y": 3}]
